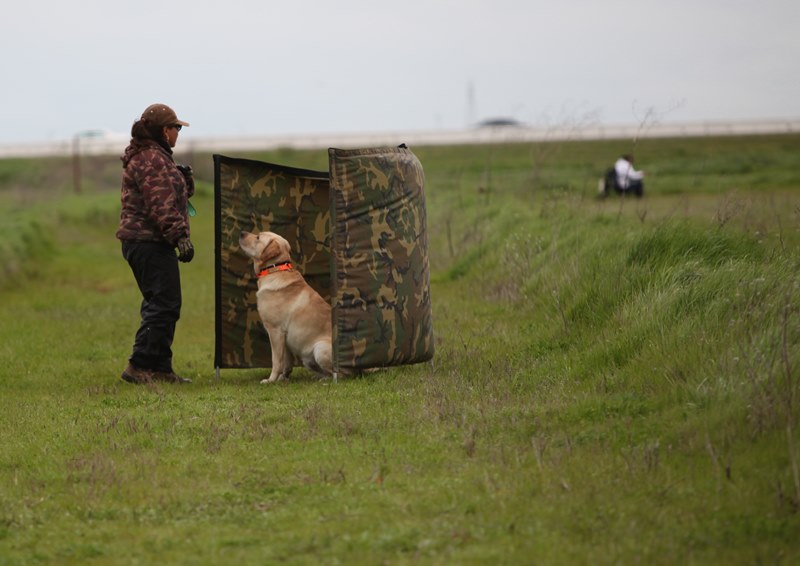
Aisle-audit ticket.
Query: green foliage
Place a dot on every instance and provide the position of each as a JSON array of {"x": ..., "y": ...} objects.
[
  {"x": 615, "y": 381},
  {"x": 681, "y": 242},
  {"x": 23, "y": 241}
]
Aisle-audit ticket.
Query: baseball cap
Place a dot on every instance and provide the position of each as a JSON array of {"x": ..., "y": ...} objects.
[{"x": 161, "y": 115}]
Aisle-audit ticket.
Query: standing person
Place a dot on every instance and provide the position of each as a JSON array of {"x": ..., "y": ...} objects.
[
  {"x": 154, "y": 222},
  {"x": 629, "y": 180}
]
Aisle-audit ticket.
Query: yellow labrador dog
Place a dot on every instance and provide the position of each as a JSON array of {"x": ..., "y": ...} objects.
[{"x": 297, "y": 318}]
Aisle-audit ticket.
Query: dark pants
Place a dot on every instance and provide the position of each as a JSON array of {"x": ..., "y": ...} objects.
[
  {"x": 155, "y": 267},
  {"x": 634, "y": 187}
]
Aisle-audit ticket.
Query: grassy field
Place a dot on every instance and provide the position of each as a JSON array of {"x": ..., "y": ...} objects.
[{"x": 615, "y": 381}]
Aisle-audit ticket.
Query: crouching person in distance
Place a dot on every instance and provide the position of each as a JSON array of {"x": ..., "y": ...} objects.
[{"x": 629, "y": 180}]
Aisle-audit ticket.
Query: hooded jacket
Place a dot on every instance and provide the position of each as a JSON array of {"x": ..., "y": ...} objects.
[{"x": 154, "y": 195}]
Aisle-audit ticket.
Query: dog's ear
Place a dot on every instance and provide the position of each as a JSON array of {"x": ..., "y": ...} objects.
[
  {"x": 276, "y": 250},
  {"x": 273, "y": 251},
  {"x": 267, "y": 251}
]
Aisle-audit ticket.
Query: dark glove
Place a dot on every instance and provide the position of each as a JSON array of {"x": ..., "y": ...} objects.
[
  {"x": 188, "y": 176},
  {"x": 185, "y": 169},
  {"x": 185, "y": 250}
]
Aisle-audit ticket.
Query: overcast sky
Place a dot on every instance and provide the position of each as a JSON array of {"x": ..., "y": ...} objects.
[{"x": 260, "y": 67}]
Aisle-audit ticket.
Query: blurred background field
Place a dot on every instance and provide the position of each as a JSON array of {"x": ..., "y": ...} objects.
[
  {"x": 720, "y": 174},
  {"x": 615, "y": 381}
]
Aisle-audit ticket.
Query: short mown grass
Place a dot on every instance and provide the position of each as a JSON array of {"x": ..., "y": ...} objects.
[{"x": 614, "y": 382}]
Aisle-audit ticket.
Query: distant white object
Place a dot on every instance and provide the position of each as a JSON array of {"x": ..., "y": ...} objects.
[{"x": 99, "y": 142}]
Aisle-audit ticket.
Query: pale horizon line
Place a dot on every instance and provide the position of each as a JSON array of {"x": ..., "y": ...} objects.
[{"x": 98, "y": 142}]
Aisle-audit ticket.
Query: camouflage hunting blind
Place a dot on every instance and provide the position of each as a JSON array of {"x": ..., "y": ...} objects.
[{"x": 359, "y": 237}]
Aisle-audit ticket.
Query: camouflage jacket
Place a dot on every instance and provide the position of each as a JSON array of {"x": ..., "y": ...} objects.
[{"x": 155, "y": 195}]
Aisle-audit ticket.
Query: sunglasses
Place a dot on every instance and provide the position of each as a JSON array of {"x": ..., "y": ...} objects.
[{"x": 177, "y": 127}]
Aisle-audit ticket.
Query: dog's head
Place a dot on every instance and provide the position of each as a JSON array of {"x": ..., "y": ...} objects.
[{"x": 265, "y": 248}]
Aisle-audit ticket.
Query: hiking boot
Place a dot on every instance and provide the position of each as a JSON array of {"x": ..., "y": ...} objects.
[
  {"x": 132, "y": 374},
  {"x": 169, "y": 377}
]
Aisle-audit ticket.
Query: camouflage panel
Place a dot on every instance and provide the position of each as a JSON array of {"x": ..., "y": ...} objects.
[
  {"x": 381, "y": 297},
  {"x": 256, "y": 196}
]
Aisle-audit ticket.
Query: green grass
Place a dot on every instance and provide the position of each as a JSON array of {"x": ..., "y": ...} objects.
[{"x": 614, "y": 382}]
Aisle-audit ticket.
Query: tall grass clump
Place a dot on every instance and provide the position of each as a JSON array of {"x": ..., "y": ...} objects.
[
  {"x": 24, "y": 241},
  {"x": 618, "y": 319}
]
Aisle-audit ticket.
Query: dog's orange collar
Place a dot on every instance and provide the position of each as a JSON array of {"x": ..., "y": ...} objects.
[{"x": 275, "y": 268}]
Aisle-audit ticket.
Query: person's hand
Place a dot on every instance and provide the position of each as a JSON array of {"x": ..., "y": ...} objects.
[
  {"x": 185, "y": 250},
  {"x": 186, "y": 170}
]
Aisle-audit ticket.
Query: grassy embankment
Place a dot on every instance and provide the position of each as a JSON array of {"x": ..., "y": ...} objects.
[{"x": 615, "y": 381}]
